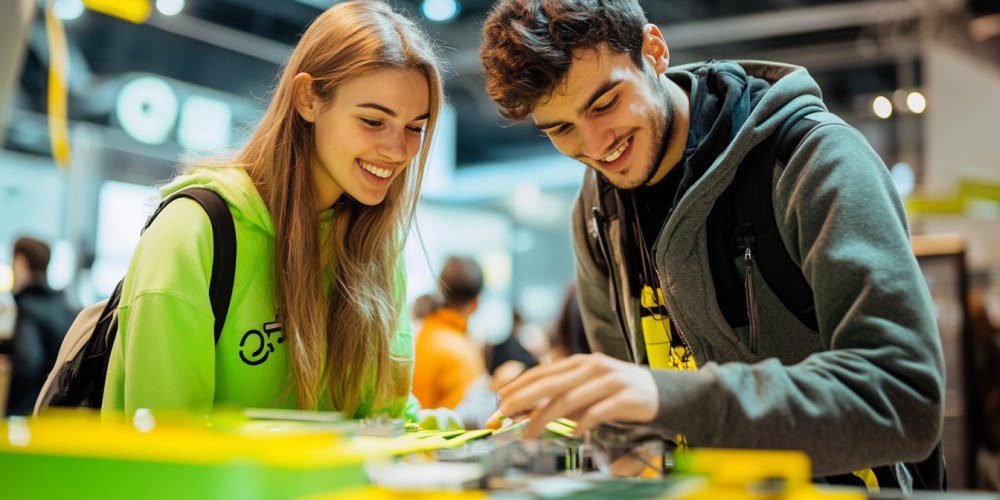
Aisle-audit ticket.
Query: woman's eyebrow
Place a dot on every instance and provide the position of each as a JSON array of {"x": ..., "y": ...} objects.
[
  {"x": 390, "y": 112},
  {"x": 379, "y": 107}
]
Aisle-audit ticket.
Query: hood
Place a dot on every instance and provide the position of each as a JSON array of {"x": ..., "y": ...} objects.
[
  {"x": 792, "y": 89},
  {"x": 234, "y": 185}
]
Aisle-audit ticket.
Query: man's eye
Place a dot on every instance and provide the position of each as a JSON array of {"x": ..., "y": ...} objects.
[
  {"x": 607, "y": 106},
  {"x": 562, "y": 129},
  {"x": 373, "y": 123}
]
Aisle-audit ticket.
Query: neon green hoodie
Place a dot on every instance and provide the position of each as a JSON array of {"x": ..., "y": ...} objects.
[{"x": 165, "y": 355}]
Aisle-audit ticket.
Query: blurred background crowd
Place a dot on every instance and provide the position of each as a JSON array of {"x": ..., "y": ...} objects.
[{"x": 152, "y": 81}]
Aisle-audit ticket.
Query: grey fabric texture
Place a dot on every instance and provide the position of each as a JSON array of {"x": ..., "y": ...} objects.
[{"x": 865, "y": 391}]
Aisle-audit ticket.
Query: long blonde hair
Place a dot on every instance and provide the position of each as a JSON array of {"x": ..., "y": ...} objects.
[{"x": 355, "y": 322}]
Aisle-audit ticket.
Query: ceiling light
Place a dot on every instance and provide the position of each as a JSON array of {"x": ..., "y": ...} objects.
[
  {"x": 67, "y": 10},
  {"x": 904, "y": 179},
  {"x": 882, "y": 107},
  {"x": 147, "y": 109},
  {"x": 440, "y": 10},
  {"x": 916, "y": 102},
  {"x": 170, "y": 7}
]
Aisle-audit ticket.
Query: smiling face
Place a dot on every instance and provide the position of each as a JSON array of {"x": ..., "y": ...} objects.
[
  {"x": 367, "y": 134},
  {"x": 616, "y": 117}
]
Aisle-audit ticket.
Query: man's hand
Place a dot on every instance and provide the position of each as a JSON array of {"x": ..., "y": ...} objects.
[{"x": 588, "y": 388}]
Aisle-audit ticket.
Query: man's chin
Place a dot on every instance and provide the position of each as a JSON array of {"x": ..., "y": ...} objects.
[{"x": 626, "y": 178}]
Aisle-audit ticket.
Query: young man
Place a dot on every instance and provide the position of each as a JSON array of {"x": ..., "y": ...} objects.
[
  {"x": 855, "y": 377},
  {"x": 43, "y": 318}
]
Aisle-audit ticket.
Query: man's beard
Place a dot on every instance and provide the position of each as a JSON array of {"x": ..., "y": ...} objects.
[{"x": 661, "y": 131}]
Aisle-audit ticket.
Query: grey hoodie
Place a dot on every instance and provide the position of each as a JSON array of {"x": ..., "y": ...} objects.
[{"x": 868, "y": 389}]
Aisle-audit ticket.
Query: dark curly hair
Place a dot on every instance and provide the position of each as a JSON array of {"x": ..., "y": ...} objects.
[{"x": 527, "y": 45}]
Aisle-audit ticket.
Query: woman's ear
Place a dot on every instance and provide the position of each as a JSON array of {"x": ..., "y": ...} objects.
[
  {"x": 303, "y": 96},
  {"x": 654, "y": 49}
]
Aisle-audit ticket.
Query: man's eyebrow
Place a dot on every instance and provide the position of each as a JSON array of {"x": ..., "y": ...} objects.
[
  {"x": 546, "y": 126},
  {"x": 603, "y": 89}
]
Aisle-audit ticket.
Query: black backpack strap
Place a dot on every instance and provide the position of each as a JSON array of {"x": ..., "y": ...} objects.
[
  {"x": 753, "y": 218},
  {"x": 744, "y": 214},
  {"x": 220, "y": 289}
]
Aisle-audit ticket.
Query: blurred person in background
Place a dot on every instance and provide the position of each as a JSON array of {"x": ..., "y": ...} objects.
[
  {"x": 853, "y": 375},
  {"x": 568, "y": 335},
  {"x": 510, "y": 351},
  {"x": 424, "y": 305},
  {"x": 447, "y": 360},
  {"x": 322, "y": 196},
  {"x": 43, "y": 318}
]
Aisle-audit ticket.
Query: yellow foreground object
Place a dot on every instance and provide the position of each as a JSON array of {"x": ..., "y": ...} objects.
[
  {"x": 752, "y": 474},
  {"x": 376, "y": 493}
]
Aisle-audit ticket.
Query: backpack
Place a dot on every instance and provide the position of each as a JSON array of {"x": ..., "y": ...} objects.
[
  {"x": 741, "y": 219},
  {"x": 77, "y": 380}
]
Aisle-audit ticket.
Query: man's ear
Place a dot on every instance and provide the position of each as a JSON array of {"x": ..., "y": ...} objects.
[
  {"x": 303, "y": 96},
  {"x": 654, "y": 49}
]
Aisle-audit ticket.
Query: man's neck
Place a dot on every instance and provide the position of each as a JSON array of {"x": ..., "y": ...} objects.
[{"x": 681, "y": 100}]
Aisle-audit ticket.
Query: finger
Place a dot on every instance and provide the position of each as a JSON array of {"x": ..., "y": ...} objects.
[
  {"x": 533, "y": 429},
  {"x": 539, "y": 372},
  {"x": 574, "y": 401},
  {"x": 607, "y": 410},
  {"x": 516, "y": 402},
  {"x": 495, "y": 421}
]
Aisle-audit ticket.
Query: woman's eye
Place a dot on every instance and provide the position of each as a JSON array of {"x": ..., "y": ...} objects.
[
  {"x": 373, "y": 123},
  {"x": 416, "y": 129},
  {"x": 607, "y": 106}
]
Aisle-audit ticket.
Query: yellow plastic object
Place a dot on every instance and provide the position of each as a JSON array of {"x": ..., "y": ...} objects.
[
  {"x": 751, "y": 474},
  {"x": 376, "y": 493},
  {"x": 737, "y": 467},
  {"x": 136, "y": 11}
]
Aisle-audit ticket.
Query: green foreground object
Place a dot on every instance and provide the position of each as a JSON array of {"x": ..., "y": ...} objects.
[{"x": 30, "y": 477}]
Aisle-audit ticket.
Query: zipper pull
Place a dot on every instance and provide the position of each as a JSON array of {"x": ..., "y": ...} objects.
[{"x": 751, "y": 298}]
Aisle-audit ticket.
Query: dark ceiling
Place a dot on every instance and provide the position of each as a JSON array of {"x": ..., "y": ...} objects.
[{"x": 111, "y": 47}]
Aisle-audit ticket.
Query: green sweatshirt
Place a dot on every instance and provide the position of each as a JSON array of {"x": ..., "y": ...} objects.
[{"x": 165, "y": 356}]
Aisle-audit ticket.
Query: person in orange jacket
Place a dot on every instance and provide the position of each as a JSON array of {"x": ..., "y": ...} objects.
[{"x": 446, "y": 359}]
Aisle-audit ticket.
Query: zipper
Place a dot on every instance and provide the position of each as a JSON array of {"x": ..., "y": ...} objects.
[
  {"x": 670, "y": 314},
  {"x": 751, "y": 298},
  {"x": 599, "y": 233}
]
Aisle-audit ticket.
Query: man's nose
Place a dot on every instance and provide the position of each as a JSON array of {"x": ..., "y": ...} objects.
[{"x": 596, "y": 141}]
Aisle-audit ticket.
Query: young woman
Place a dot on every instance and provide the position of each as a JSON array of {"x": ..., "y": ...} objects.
[{"x": 322, "y": 196}]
